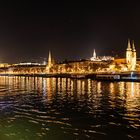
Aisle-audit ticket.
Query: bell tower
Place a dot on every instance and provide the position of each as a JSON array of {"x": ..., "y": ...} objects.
[
  {"x": 131, "y": 58},
  {"x": 134, "y": 57},
  {"x": 128, "y": 53}
]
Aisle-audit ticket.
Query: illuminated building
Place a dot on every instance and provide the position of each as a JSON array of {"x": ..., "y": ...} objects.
[
  {"x": 95, "y": 64},
  {"x": 50, "y": 62},
  {"x": 94, "y": 58},
  {"x": 2, "y": 65},
  {"x": 131, "y": 56},
  {"x": 28, "y": 63},
  {"x": 101, "y": 58}
]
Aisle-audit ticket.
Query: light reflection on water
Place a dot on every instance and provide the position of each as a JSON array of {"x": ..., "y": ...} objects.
[{"x": 59, "y": 108}]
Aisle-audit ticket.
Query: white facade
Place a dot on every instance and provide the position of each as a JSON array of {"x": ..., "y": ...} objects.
[
  {"x": 131, "y": 56},
  {"x": 101, "y": 58}
]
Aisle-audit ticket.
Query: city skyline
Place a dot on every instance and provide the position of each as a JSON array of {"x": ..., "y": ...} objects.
[
  {"x": 93, "y": 56},
  {"x": 69, "y": 70},
  {"x": 69, "y": 30}
]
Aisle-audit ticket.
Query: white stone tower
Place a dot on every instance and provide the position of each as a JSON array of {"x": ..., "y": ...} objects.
[
  {"x": 128, "y": 53},
  {"x": 131, "y": 58},
  {"x": 134, "y": 57},
  {"x": 94, "y": 54},
  {"x": 94, "y": 57}
]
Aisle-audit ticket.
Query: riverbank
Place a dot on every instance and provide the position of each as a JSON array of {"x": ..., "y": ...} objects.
[{"x": 127, "y": 76}]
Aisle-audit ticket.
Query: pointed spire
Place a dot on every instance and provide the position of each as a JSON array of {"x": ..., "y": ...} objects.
[
  {"x": 94, "y": 54},
  {"x": 129, "y": 46},
  {"x": 133, "y": 46},
  {"x": 49, "y": 60}
]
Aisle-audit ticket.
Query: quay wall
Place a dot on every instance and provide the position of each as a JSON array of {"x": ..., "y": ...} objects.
[{"x": 128, "y": 76}]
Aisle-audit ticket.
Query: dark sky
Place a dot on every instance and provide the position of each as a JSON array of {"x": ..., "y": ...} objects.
[{"x": 71, "y": 30}]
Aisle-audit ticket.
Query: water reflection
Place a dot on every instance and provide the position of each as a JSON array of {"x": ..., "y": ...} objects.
[{"x": 80, "y": 109}]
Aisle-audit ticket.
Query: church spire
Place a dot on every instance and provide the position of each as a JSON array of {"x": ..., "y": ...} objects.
[
  {"x": 94, "y": 54},
  {"x": 131, "y": 59},
  {"x": 129, "y": 46},
  {"x": 49, "y": 60},
  {"x": 133, "y": 46}
]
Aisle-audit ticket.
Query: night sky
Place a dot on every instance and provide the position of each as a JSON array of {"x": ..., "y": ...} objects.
[{"x": 28, "y": 30}]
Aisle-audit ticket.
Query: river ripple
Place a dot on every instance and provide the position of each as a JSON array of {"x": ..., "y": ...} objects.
[{"x": 63, "y": 108}]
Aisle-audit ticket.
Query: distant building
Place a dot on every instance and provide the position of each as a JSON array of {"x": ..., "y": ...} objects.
[
  {"x": 131, "y": 56},
  {"x": 130, "y": 61},
  {"x": 100, "y": 58},
  {"x": 94, "y": 58},
  {"x": 28, "y": 63},
  {"x": 44, "y": 61},
  {"x": 50, "y": 62},
  {"x": 4, "y": 65}
]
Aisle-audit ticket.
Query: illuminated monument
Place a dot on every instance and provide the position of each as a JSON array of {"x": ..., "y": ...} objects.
[{"x": 131, "y": 56}]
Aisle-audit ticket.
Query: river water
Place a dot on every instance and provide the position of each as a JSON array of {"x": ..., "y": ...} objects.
[{"x": 35, "y": 108}]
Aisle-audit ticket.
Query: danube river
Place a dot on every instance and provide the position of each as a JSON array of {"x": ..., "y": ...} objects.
[{"x": 35, "y": 108}]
